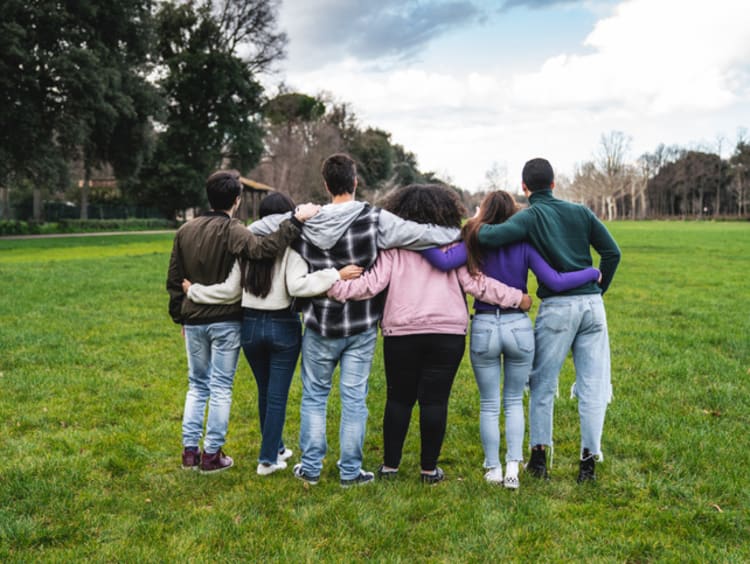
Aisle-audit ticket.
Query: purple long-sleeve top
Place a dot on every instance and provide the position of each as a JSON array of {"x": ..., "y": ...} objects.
[{"x": 510, "y": 265}]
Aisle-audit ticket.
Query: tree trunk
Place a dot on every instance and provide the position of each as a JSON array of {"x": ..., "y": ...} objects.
[
  {"x": 37, "y": 205},
  {"x": 85, "y": 192},
  {"x": 4, "y": 203}
]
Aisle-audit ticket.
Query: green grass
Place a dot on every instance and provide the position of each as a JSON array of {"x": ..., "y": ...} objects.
[{"x": 93, "y": 378}]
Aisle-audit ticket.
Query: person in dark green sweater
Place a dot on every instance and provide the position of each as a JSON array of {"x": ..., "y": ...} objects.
[{"x": 563, "y": 233}]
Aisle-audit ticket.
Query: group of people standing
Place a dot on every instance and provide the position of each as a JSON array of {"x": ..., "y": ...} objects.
[{"x": 348, "y": 267}]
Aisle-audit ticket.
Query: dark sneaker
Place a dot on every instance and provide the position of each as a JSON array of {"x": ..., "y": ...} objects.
[
  {"x": 384, "y": 474},
  {"x": 216, "y": 462},
  {"x": 437, "y": 476},
  {"x": 537, "y": 465},
  {"x": 361, "y": 480},
  {"x": 586, "y": 472},
  {"x": 191, "y": 459},
  {"x": 300, "y": 475}
]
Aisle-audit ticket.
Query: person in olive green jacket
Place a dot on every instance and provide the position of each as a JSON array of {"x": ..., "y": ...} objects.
[
  {"x": 563, "y": 233},
  {"x": 204, "y": 251}
]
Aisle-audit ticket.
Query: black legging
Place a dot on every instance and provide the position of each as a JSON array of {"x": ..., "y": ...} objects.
[{"x": 419, "y": 368}]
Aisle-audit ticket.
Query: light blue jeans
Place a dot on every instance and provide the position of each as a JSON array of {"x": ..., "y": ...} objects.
[
  {"x": 564, "y": 323},
  {"x": 212, "y": 353},
  {"x": 320, "y": 355},
  {"x": 507, "y": 340}
]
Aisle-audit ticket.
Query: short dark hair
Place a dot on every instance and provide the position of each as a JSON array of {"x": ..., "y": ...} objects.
[
  {"x": 275, "y": 202},
  {"x": 340, "y": 174},
  {"x": 538, "y": 174},
  {"x": 222, "y": 189},
  {"x": 427, "y": 203}
]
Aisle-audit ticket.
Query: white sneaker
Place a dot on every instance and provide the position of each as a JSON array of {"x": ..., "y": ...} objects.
[
  {"x": 265, "y": 470},
  {"x": 511, "y": 475},
  {"x": 284, "y": 455},
  {"x": 495, "y": 475}
]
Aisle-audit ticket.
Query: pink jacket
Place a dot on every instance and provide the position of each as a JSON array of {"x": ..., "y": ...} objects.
[{"x": 422, "y": 299}]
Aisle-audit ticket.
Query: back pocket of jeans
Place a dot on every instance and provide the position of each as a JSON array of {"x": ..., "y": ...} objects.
[
  {"x": 554, "y": 317},
  {"x": 480, "y": 341},
  {"x": 524, "y": 337}
]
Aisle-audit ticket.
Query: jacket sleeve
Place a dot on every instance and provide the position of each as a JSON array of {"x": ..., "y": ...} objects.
[
  {"x": 510, "y": 231},
  {"x": 175, "y": 275},
  {"x": 301, "y": 283},
  {"x": 394, "y": 231},
  {"x": 608, "y": 250},
  {"x": 369, "y": 285},
  {"x": 489, "y": 290},
  {"x": 446, "y": 259},
  {"x": 559, "y": 281},
  {"x": 227, "y": 292},
  {"x": 268, "y": 224},
  {"x": 242, "y": 242}
]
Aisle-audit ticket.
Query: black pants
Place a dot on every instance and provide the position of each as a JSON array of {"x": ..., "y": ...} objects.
[{"x": 419, "y": 368}]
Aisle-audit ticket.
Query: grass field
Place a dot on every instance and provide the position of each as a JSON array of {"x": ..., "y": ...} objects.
[{"x": 93, "y": 378}]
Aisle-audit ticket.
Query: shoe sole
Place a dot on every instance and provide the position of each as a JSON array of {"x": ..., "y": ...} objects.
[
  {"x": 194, "y": 468},
  {"x": 215, "y": 470},
  {"x": 358, "y": 483}
]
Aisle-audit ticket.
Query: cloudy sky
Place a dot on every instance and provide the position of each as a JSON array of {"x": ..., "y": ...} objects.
[{"x": 471, "y": 84}]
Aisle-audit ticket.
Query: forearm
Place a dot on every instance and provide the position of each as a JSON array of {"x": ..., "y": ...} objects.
[
  {"x": 244, "y": 243},
  {"x": 447, "y": 259},
  {"x": 559, "y": 281},
  {"x": 395, "y": 232},
  {"x": 497, "y": 235},
  {"x": 227, "y": 292},
  {"x": 489, "y": 290},
  {"x": 301, "y": 283}
]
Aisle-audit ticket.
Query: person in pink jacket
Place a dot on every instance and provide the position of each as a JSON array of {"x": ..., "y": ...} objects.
[{"x": 424, "y": 326}]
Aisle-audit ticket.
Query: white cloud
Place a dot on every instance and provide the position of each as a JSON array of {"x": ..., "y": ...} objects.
[
  {"x": 660, "y": 70},
  {"x": 650, "y": 56}
]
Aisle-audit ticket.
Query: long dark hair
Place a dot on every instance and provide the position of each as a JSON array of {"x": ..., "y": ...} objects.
[
  {"x": 495, "y": 208},
  {"x": 257, "y": 274}
]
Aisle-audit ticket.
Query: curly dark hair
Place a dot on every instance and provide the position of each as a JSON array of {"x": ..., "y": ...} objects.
[{"x": 426, "y": 203}]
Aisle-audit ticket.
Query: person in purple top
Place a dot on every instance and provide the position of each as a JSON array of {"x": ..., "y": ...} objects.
[{"x": 502, "y": 335}]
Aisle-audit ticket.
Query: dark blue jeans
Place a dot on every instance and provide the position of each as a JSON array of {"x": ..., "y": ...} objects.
[{"x": 271, "y": 342}]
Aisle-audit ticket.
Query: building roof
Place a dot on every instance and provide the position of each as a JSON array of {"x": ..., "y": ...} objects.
[{"x": 252, "y": 185}]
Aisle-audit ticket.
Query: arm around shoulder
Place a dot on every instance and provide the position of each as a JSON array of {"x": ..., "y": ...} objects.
[{"x": 302, "y": 283}]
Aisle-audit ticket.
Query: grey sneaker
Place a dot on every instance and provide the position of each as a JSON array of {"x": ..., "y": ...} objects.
[
  {"x": 361, "y": 480},
  {"x": 300, "y": 475}
]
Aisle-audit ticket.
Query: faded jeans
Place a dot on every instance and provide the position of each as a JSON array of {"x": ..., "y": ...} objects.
[
  {"x": 212, "y": 353},
  {"x": 564, "y": 323},
  {"x": 507, "y": 340},
  {"x": 320, "y": 355}
]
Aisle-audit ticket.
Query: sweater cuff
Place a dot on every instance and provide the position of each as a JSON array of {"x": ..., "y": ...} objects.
[{"x": 296, "y": 222}]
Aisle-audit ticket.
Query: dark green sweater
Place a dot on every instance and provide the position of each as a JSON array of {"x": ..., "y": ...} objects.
[{"x": 563, "y": 233}]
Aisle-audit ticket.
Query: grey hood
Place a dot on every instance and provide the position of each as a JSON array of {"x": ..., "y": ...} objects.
[{"x": 322, "y": 230}]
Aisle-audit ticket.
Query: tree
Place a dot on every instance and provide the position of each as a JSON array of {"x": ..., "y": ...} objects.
[
  {"x": 299, "y": 135},
  {"x": 213, "y": 100},
  {"x": 740, "y": 175},
  {"x": 73, "y": 77}
]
